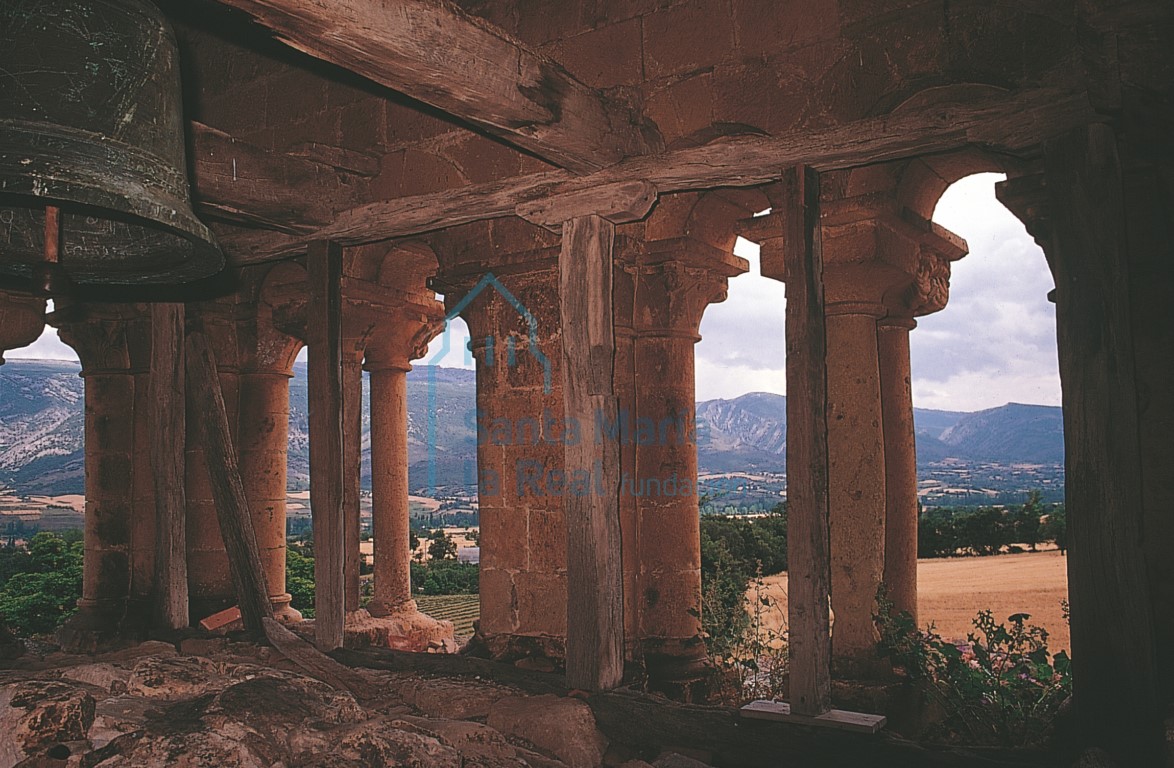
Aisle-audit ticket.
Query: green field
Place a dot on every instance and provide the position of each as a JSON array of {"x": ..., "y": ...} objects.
[{"x": 461, "y": 610}]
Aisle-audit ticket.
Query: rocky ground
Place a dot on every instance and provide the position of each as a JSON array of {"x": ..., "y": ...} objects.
[{"x": 220, "y": 704}]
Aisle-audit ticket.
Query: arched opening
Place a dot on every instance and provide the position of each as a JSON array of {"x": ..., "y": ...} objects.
[
  {"x": 42, "y": 478},
  {"x": 990, "y": 449}
]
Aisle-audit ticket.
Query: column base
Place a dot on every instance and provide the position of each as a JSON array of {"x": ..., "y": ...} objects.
[
  {"x": 283, "y": 611},
  {"x": 405, "y": 630},
  {"x": 103, "y": 626},
  {"x": 679, "y": 668}
]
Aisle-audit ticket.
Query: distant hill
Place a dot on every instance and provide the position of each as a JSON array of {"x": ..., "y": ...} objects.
[{"x": 41, "y": 430}]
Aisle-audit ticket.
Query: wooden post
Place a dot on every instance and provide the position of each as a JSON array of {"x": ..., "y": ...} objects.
[
  {"x": 808, "y": 550},
  {"x": 168, "y": 450},
  {"x": 352, "y": 456},
  {"x": 228, "y": 492},
  {"x": 595, "y": 628},
  {"x": 1113, "y": 649},
  {"x": 324, "y": 265}
]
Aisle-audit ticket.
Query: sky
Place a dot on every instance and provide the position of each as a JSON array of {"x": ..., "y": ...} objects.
[{"x": 994, "y": 343}]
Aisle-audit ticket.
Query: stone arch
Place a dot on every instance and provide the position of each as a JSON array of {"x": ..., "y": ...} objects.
[{"x": 282, "y": 306}]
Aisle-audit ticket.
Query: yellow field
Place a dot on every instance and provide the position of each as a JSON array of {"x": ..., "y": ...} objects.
[{"x": 952, "y": 590}]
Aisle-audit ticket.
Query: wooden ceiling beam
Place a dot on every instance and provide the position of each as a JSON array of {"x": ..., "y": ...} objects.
[
  {"x": 436, "y": 53},
  {"x": 239, "y": 182},
  {"x": 1013, "y": 123}
]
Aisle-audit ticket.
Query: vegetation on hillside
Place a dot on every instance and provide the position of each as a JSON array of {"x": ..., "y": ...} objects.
[{"x": 40, "y": 585}]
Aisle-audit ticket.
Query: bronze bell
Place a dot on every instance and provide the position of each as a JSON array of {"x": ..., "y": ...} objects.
[{"x": 91, "y": 127}]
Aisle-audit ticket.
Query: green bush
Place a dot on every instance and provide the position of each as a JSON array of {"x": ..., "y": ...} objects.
[
  {"x": 299, "y": 579},
  {"x": 41, "y": 590},
  {"x": 1002, "y": 687},
  {"x": 445, "y": 577}
]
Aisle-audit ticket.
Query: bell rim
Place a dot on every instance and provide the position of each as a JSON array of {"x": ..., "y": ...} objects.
[{"x": 30, "y": 167}]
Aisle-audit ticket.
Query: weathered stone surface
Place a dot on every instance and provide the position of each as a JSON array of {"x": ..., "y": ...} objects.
[
  {"x": 563, "y": 727},
  {"x": 173, "y": 678},
  {"x": 401, "y": 631},
  {"x": 36, "y": 715},
  {"x": 486, "y": 746},
  {"x": 101, "y": 674},
  {"x": 455, "y": 699}
]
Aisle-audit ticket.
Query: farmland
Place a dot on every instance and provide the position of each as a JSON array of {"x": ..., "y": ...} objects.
[{"x": 952, "y": 590}]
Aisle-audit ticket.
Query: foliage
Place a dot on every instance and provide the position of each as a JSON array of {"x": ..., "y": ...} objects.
[
  {"x": 299, "y": 578},
  {"x": 445, "y": 577},
  {"x": 949, "y": 531},
  {"x": 41, "y": 590},
  {"x": 749, "y": 657},
  {"x": 442, "y": 547},
  {"x": 1002, "y": 687}
]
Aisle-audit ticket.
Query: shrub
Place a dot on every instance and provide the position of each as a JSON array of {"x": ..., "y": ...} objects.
[
  {"x": 1002, "y": 687},
  {"x": 446, "y": 577},
  {"x": 299, "y": 579}
]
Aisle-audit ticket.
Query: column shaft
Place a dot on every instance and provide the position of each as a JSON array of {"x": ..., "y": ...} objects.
[
  {"x": 264, "y": 439},
  {"x": 900, "y": 464},
  {"x": 856, "y": 479},
  {"x": 389, "y": 491}
]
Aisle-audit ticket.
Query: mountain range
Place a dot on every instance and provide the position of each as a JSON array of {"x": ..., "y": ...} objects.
[{"x": 42, "y": 429}]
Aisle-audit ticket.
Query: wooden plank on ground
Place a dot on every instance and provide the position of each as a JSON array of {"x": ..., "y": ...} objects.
[
  {"x": 316, "y": 663},
  {"x": 1114, "y": 658},
  {"x": 808, "y": 549},
  {"x": 228, "y": 492},
  {"x": 168, "y": 458},
  {"x": 840, "y": 720},
  {"x": 595, "y": 629},
  {"x": 324, "y": 267}
]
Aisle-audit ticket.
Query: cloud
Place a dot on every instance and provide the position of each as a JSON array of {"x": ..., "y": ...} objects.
[
  {"x": 994, "y": 343},
  {"x": 47, "y": 347}
]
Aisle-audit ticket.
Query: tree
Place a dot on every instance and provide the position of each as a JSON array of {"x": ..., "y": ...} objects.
[
  {"x": 299, "y": 579},
  {"x": 1055, "y": 528},
  {"x": 442, "y": 547},
  {"x": 1026, "y": 521},
  {"x": 46, "y": 591}
]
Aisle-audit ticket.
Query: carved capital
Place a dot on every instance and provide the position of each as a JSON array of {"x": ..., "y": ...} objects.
[
  {"x": 22, "y": 319},
  {"x": 675, "y": 280},
  {"x": 108, "y": 338}
]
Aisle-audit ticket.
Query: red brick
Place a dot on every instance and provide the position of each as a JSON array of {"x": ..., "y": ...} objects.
[
  {"x": 687, "y": 38},
  {"x": 603, "y": 57},
  {"x": 764, "y": 27},
  {"x": 683, "y": 107}
]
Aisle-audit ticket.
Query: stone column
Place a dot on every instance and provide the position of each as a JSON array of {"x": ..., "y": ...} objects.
[
  {"x": 118, "y": 522},
  {"x": 520, "y": 414},
  {"x": 352, "y": 451},
  {"x": 900, "y": 572},
  {"x": 389, "y": 488},
  {"x": 856, "y": 478},
  {"x": 676, "y": 281},
  {"x": 210, "y": 587},
  {"x": 264, "y": 441},
  {"x": 398, "y": 622}
]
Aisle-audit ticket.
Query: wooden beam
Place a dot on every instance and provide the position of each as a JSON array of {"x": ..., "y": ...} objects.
[
  {"x": 619, "y": 203},
  {"x": 595, "y": 617},
  {"x": 166, "y": 397},
  {"x": 228, "y": 492},
  {"x": 1114, "y": 658},
  {"x": 808, "y": 548},
  {"x": 433, "y": 51},
  {"x": 836, "y": 719},
  {"x": 240, "y": 182},
  {"x": 1014, "y": 123},
  {"x": 324, "y": 267}
]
